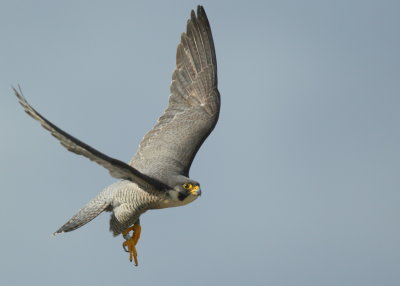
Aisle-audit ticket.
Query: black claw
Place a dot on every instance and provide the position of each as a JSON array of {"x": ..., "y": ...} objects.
[{"x": 124, "y": 247}]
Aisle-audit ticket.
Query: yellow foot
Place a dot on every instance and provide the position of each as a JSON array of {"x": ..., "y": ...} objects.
[{"x": 131, "y": 243}]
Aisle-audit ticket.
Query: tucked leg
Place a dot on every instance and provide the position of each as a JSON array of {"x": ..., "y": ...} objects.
[{"x": 131, "y": 241}]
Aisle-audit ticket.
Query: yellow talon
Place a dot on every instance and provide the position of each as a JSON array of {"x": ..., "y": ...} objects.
[{"x": 131, "y": 243}]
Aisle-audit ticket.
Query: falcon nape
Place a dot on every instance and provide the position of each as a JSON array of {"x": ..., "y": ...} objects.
[{"x": 158, "y": 175}]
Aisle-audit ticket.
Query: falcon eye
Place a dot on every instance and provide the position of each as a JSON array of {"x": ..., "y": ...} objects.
[{"x": 187, "y": 186}]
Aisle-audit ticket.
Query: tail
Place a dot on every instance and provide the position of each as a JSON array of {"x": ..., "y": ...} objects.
[{"x": 85, "y": 215}]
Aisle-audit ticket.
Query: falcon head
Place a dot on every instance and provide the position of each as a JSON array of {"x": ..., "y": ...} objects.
[
  {"x": 193, "y": 188},
  {"x": 185, "y": 190}
]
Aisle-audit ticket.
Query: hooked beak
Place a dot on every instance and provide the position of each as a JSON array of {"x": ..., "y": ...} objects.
[{"x": 195, "y": 191}]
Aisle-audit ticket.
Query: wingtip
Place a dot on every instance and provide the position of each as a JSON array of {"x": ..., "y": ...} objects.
[
  {"x": 15, "y": 90},
  {"x": 199, "y": 13},
  {"x": 57, "y": 232},
  {"x": 18, "y": 93},
  {"x": 200, "y": 9}
]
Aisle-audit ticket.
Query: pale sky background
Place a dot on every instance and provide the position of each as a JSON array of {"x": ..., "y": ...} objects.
[{"x": 300, "y": 178}]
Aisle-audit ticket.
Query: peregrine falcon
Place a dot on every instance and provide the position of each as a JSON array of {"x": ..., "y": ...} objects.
[{"x": 158, "y": 175}]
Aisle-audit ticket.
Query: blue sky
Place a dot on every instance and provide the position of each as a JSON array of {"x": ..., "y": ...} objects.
[{"x": 300, "y": 178}]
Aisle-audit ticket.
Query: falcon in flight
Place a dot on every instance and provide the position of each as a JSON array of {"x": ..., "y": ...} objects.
[{"x": 158, "y": 175}]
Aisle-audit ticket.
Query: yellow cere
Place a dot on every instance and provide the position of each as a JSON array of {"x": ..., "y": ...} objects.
[
  {"x": 194, "y": 189},
  {"x": 191, "y": 188}
]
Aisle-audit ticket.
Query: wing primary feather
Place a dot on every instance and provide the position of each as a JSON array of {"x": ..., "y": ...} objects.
[
  {"x": 198, "y": 39},
  {"x": 188, "y": 62},
  {"x": 208, "y": 39}
]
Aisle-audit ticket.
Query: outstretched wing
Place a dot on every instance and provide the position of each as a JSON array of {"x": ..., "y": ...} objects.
[
  {"x": 117, "y": 169},
  {"x": 170, "y": 147}
]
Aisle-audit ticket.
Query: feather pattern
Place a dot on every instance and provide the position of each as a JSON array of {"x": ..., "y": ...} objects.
[{"x": 170, "y": 147}]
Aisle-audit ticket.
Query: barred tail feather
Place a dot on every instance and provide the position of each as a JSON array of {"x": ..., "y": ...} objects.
[{"x": 84, "y": 215}]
